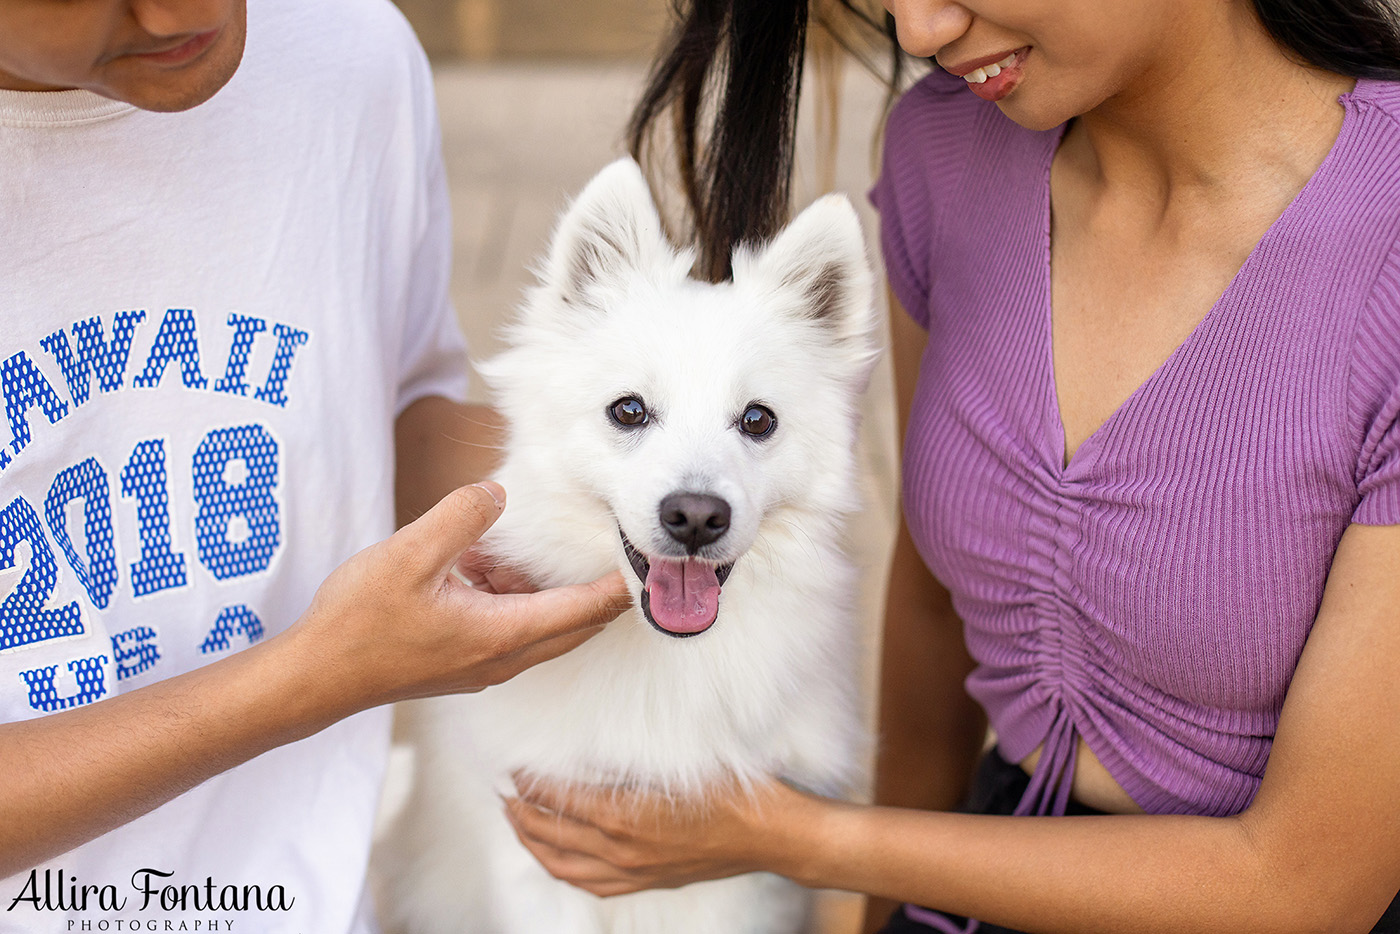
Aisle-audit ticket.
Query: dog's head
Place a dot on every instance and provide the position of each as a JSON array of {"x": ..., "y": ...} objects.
[{"x": 677, "y": 423}]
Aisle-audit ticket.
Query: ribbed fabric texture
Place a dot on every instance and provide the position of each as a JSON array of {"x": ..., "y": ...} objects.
[{"x": 1154, "y": 595}]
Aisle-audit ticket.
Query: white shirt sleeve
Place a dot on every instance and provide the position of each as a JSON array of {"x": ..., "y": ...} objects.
[{"x": 433, "y": 353}]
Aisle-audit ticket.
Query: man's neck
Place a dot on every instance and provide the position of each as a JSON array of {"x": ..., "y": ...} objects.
[{"x": 9, "y": 82}]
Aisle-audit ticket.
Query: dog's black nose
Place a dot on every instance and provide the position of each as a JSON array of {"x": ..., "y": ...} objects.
[{"x": 694, "y": 519}]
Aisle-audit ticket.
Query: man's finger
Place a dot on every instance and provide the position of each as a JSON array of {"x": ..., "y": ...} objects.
[
  {"x": 533, "y": 654},
  {"x": 537, "y": 617},
  {"x": 488, "y": 574},
  {"x": 503, "y": 579},
  {"x": 461, "y": 517}
]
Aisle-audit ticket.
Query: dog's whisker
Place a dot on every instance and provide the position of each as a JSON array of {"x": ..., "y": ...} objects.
[
  {"x": 798, "y": 532},
  {"x": 479, "y": 445}
]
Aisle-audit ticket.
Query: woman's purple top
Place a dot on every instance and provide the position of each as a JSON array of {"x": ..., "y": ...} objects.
[{"x": 1153, "y": 595}]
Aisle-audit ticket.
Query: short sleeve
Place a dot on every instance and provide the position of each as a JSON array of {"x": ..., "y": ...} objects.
[
  {"x": 432, "y": 351},
  {"x": 926, "y": 138},
  {"x": 906, "y": 220},
  {"x": 1375, "y": 399}
]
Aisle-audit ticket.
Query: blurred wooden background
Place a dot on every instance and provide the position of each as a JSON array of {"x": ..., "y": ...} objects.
[{"x": 482, "y": 30}]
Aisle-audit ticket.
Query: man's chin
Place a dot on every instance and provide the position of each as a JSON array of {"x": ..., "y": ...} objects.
[{"x": 173, "y": 90}]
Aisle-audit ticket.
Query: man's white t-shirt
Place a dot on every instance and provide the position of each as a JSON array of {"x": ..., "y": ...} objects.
[{"x": 208, "y": 323}]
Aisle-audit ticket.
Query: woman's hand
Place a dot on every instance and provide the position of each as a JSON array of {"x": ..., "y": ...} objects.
[
  {"x": 395, "y": 622},
  {"x": 612, "y": 841}
]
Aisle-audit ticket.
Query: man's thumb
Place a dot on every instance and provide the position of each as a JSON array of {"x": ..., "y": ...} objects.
[{"x": 452, "y": 526}]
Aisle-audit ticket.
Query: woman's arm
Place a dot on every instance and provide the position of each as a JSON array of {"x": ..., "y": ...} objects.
[
  {"x": 930, "y": 731},
  {"x": 390, "y": 623},
  {"x": 1318, "y": 850}
]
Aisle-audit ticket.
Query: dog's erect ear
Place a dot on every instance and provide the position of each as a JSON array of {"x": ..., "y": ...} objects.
[
  {"x": 820, "y": 260},
  {"x": 612, "y": 228}
]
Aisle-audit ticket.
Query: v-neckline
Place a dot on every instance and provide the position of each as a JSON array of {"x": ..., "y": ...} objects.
[{"x": 1092, "y": 442}]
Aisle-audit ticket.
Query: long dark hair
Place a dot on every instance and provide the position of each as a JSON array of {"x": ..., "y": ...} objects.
[
  {"x": 729, "y": 77},
  {"x": 731, "y": 73},
  {"x": 1357, "y": 38}
]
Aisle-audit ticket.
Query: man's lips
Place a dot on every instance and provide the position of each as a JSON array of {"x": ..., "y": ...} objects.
[
  {"x": 686, "y": 598},
  {"x": 181, "y": 52}
]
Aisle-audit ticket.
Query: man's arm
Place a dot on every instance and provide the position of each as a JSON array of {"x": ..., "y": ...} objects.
[
  {"x": 389, "y": 624},
  {"x": 440, "y": 445}
]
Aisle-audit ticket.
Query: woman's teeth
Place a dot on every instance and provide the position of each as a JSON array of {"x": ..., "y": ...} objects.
[{"x": 980, "y": 75}]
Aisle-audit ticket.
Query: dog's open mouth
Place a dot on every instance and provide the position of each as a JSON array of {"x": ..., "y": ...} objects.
[{"x": 680, "y": 596}]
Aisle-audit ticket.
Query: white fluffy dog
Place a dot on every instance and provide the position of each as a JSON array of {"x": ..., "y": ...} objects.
[{"x": 700, "y": 437}]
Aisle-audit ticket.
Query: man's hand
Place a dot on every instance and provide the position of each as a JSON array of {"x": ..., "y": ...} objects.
[
  {"x": 390, "y": 623},
  {"x": 398, "y": 624}
]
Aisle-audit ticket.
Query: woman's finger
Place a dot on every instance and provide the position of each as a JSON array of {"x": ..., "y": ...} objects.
[
  {"x": 609, "y": 889},
  {"x": 580, "y": 869},
  {"x": 557, "y": 830},
  {"x": 606, "y": 808},
  {"x": 573, "y": 868}
]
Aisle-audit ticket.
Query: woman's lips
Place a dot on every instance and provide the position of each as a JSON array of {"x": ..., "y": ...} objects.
[
  {"x": 993, "y": 78},
  {"x": 183, "y": 53}
]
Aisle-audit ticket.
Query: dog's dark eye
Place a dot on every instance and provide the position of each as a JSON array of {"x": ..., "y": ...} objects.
[
  {"x": 628, "y": 412},
  {"x": 758, "y": 421}
]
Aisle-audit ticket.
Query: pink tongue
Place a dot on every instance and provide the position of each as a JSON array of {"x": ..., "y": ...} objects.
[{"x": 684, "y": 594}]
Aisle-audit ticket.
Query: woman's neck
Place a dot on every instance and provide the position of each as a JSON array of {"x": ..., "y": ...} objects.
[{"x": 1223, "y": 106}]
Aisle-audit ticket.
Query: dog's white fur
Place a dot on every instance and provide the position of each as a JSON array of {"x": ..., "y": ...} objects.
[{"x": 771, "y": 687}]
